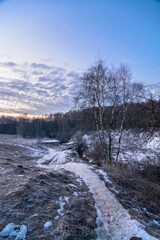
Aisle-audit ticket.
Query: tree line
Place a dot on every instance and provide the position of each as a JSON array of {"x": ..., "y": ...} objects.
[
  {"x": 108, "y": 102},
  {"x": 111, "y": 88},
  {"x": 143, "y": 116}
]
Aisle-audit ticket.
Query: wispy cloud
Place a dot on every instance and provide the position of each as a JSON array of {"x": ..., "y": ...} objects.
[
  {"x": 36, "y": 88},
  {"x": 40, "y": 66},
  {"x": 8, "y": 64}
]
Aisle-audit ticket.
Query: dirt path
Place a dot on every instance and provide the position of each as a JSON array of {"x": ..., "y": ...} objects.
[
  {"x": 114, "y": 222},
  {"x": 33, "y": 196}
]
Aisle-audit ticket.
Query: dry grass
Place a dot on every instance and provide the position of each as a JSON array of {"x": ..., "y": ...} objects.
[{"x": 139, "y": 192}]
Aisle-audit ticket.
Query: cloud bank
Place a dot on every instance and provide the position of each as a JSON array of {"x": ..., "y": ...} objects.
[{"x": 36, "y": 88}]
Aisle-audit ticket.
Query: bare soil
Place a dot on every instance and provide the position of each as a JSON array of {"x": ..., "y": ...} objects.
[
  {"x": 139, "y": 192},
  {"x": 27, "y": 190}
]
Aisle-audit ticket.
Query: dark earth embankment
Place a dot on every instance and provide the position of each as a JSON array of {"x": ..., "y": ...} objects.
[
  {"x": 32, "y": 196},
  {"x": 138, "y": 190}
]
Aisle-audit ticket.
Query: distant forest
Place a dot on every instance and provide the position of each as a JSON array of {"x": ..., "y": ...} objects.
[{"x": 144, "y": 116}]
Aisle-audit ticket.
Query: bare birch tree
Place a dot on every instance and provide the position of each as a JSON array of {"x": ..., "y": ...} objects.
[
  {"x": 93, "y": 95},
  {"x": 129, "y": 93},
  {"x": 101, "y": 88}
]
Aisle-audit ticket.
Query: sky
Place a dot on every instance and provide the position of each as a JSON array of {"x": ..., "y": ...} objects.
[{"x": 45, "y": 46}]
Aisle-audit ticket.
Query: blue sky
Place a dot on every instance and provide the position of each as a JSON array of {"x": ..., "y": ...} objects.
[{"x": 71, "y": 35}]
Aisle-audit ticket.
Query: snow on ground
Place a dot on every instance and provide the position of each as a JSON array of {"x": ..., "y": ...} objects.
[
  {"x": 48, "y": 224},
  {"x": 35, "y": 215},
  {"x": 113, "y": 221},
  {"x": 140, "y": 148},
  {"x": 72, "y": 185},
  {"x": 75, "y": 194},
  {"x": 66, "y": 199},
  {"x": 156, "y": 222},
  {"x": 154, "y": 143},
  {"x": 22, "y": 233},
  {"x": 61, "y": 204},
  {"x": 15, "y": 139},
  {"x": 50, "y": 141},
  {"x": 33, "y": 151},
  {"x": 104, "y": 174},
  {"x": 135, "y": 148},
  {"x": 52, "y": 185},
  {"x": 79, "y": 180},
  {"x": 8, "y": 230},
  {"x": 12, "y": 230},
  {"x": 55, "y": 156}
]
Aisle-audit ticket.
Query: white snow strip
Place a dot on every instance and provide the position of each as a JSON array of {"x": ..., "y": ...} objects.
[
  {"x": 114, "y": 222},
  {"x": 56, "y": 218},
  {"x": 9, "y": 231},
  {"x": 104, "y": 175},
  {"x": 48, "y": 224},
  {"x": 145, "y": 210},
  {"x": 156, "y": 222},
  {"x": 22, "y": 234},
  {"x": 75, "y": 194},
  {"x": 61, "y": 208},
  {"x": 61, "y": 204},
  {"x": 35, "y": 215},
  {"x": 66, "y": 199},
  {"x": 50, "y": 141},
  {"x": 72, "y": 185},
  {"x": 79, "y": 180}
]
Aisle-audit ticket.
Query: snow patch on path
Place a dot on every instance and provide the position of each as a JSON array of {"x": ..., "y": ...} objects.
[
  {"x": 54, "y": 157},
  {"x": 114, "y": 222}
]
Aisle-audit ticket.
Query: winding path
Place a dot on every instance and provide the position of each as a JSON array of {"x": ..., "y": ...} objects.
[{"x": 114, "y": 222}]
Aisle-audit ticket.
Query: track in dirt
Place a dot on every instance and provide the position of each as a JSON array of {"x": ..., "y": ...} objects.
[{"x": 114, "y": 222}]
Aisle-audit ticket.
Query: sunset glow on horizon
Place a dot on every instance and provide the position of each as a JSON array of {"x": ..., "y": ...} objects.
[
  {"x": 27, "y": 116},
  {"x": 45, "y": 46}
]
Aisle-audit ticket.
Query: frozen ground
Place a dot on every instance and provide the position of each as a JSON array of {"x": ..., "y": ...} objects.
[
  {"x": 39, "y": 199},
  {"x": 140, "y": 148},
  {"x": 136, "y": 148},
  {"x": 55, "y": 156},
  {"x": 34, "y": 197},
  {"x": 15, "y": 139},
  {"x": 114, "y": 222}
]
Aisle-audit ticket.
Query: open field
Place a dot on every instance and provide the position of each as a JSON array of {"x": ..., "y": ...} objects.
[
  {"x": 33, "y": 196},
  {"x": 42, "y": 184}
]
